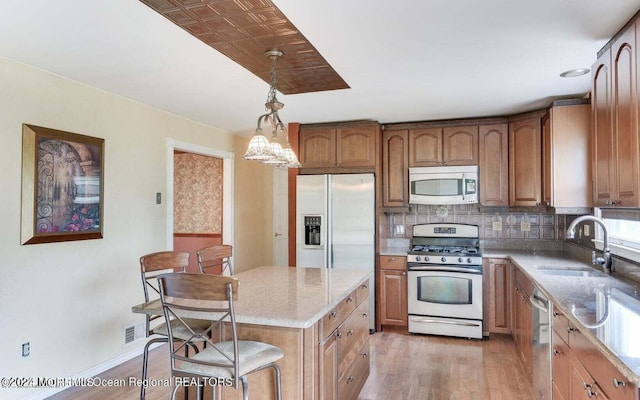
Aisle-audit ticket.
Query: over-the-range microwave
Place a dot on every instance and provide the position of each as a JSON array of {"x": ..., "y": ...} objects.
[{"x": 443, "y": 185}]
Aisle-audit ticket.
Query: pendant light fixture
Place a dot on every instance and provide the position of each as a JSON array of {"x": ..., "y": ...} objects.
[{"x": 276, "y": 150}]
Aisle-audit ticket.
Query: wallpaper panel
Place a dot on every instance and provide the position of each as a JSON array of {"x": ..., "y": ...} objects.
[{"x": 197, "y": 194}]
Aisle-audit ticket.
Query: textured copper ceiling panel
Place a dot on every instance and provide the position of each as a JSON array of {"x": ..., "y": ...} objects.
[{"x": 244, "y": 29}]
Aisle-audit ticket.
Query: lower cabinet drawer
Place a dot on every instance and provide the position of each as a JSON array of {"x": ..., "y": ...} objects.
[
  {"x": 336, "y": 316},
  {"x": 362, "y": 292},
  {"x": 351, "y": 335},
  {"x": 351, "y": 383}
]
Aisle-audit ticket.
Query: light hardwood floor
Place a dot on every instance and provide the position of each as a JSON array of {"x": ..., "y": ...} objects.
[{"x": 403, "y": 366}]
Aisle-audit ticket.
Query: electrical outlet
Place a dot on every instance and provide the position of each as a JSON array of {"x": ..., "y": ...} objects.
[
  {"x": 497, "y": 225},
  {"x": 525, "y": 226},
  {"x": 26, "y": 349},
  {"x": 586, "y": 230}
]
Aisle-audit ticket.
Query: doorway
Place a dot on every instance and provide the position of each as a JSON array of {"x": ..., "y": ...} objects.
[{"x": 187, "y": 242}]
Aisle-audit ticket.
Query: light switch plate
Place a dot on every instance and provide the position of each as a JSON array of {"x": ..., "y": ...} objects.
[
  {"x": 525, "y": 226},
  {"x": 497, "y": 225}
]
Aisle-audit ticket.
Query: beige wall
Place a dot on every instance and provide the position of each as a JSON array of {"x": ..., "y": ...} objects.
[
  {"x": 253, "y": 199},
  {"x": 71, "y": 300}
]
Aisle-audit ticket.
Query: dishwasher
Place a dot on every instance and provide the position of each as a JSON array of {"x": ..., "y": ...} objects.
[{"x": 541, "y": 342}]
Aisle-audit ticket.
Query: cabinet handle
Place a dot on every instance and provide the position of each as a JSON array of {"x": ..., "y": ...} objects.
[
  {"x": 404, "y": 273},
  {"x": 365, "y": 315},
  {"x": 569, "y": 330},
  {"x": 365, "y": 355},
  {"x": 350, "y": 332},
  {"x": 392, "y": 259},
  {"x": 617, "y": 384},
  {"x": 364, "y": 286},
  {"x": 349, "y": 299},
  {"x": 591, "y": 393},
  {"x": 350, "y": 379},
  {"x": 333, "y": 314},
  {"x": 556, "y": 314},
  {"x": 339, "y": 334},
  {"x": 557, "y": 353}
]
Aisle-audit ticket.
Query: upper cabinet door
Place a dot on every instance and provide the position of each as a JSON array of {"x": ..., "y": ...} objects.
[
  {"x": 460, "y": 145},
  {"x": 356, "y": 146},
  {"x": 494, "y": 164},
  {"x": 525, "y": 168},
  {"x": 602, "y": 131},
  {"x": 318, "y": 147},
  {"x": 395, "y": 164},
  {"x": 425, "y": 147},
  {"x": 625, "y": 128}
]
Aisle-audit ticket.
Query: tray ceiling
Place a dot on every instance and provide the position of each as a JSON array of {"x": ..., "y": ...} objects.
[{"x": 244, "y": 29}]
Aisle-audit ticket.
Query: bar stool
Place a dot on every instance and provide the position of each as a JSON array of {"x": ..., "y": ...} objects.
[{"x": 218, "y": 257}]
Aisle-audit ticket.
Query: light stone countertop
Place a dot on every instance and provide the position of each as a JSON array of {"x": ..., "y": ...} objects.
[
  {"x": 284, "y": 296},
  {"x": 619, "y": 338}
]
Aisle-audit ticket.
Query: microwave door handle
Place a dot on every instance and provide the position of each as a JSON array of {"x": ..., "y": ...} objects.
[{"x": 464, "y": 185}]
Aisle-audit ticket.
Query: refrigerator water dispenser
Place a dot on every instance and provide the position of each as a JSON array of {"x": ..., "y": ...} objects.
[{"x": 312, "y": 224}]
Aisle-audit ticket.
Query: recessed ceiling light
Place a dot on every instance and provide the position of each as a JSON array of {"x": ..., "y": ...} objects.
[{"x": 572, "y": 73}]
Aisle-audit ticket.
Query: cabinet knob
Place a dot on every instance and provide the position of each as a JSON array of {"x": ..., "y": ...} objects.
[
  {"x": 617, "y": 384},
  {"x": 365, "y": 315},
  {"x": 365, "y": 355},
  {"x": 556, "y": 314},
  {"x": 570, "y": 329},
  {"x": 392, "y": 259},
  {"x": 350, "y": 379},
  {"x": 333, "y": 314},
  {"x": 349, "y": 299},
  {"x": 350, "y": 332},
  {"x": 339, "y": 334},
  {"x": 556, "y": 352},
  {"x": 364, "y": 286}
]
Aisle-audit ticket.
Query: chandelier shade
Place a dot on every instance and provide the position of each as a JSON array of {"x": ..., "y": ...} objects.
[{"x": 276, "y": 151}]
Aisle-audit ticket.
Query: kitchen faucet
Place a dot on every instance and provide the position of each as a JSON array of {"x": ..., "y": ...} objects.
[{"x": 605, "y": 260}]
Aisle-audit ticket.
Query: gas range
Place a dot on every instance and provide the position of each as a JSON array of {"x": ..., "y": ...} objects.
[
  {"x": 444, "y": 280},
  {"x": 453, "y": 244}
]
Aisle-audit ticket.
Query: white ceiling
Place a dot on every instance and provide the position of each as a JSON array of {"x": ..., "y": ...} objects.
[{"x": 405, "y": 60}]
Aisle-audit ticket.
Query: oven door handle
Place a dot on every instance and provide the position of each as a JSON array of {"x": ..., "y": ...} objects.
[
  {"x": 438, "y": 321},
  {"x": 447, "y": 269}
]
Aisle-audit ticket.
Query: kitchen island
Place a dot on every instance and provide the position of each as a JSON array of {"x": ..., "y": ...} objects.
[{"x": 317, "y": 316}]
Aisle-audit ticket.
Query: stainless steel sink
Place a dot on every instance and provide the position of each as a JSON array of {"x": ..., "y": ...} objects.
[{"x": 570, "y": 271}]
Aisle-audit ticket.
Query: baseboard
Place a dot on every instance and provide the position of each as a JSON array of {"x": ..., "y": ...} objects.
[{"x": 98, "y": 369}]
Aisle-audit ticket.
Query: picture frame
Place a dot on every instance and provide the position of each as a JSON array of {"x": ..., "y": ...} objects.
[{"x": 62, "y": 186}]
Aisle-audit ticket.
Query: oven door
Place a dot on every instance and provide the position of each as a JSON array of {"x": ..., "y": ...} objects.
[{"x": 441, "y": 293}]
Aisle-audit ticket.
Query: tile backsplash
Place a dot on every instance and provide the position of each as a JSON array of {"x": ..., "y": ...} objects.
[{"x": 543, "y": 226}]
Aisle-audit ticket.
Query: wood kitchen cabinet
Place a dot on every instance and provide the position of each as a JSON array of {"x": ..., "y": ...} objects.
[
  {"x": 525, "y": 167},
  {"x": 343, "y": 351},
  {"x": 436, "y": 146},
  {"x": 522, "y": 317},
  {"x": 499, "y": 300},
  {"x": 566, "y": 177},
  {"x": 338, "y": 146},
  {"x": 493, "y": 160},
  {"x": 615, "y": 122},
  {"x": 395, "y": 168},
  {"x": 392, "y": 276}
]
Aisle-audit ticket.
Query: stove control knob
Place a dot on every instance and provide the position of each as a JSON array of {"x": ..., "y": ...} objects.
[
  {"x": 418, "y": 258},
  {"x": 426, "y": 259},
  {"x": 443, "y": 259},
  {"x": 469, "y": 260},
  {"x": 460, "y": 260}
]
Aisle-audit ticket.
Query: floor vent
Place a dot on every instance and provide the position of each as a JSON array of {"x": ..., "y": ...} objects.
[{"x": 132, "y": 332}]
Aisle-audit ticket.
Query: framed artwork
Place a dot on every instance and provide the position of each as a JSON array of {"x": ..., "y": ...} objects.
[{"x": 62, "y": 186}]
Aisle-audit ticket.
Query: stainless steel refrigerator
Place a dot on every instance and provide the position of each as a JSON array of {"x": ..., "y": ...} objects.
[{"x": 335, "y": 217}]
